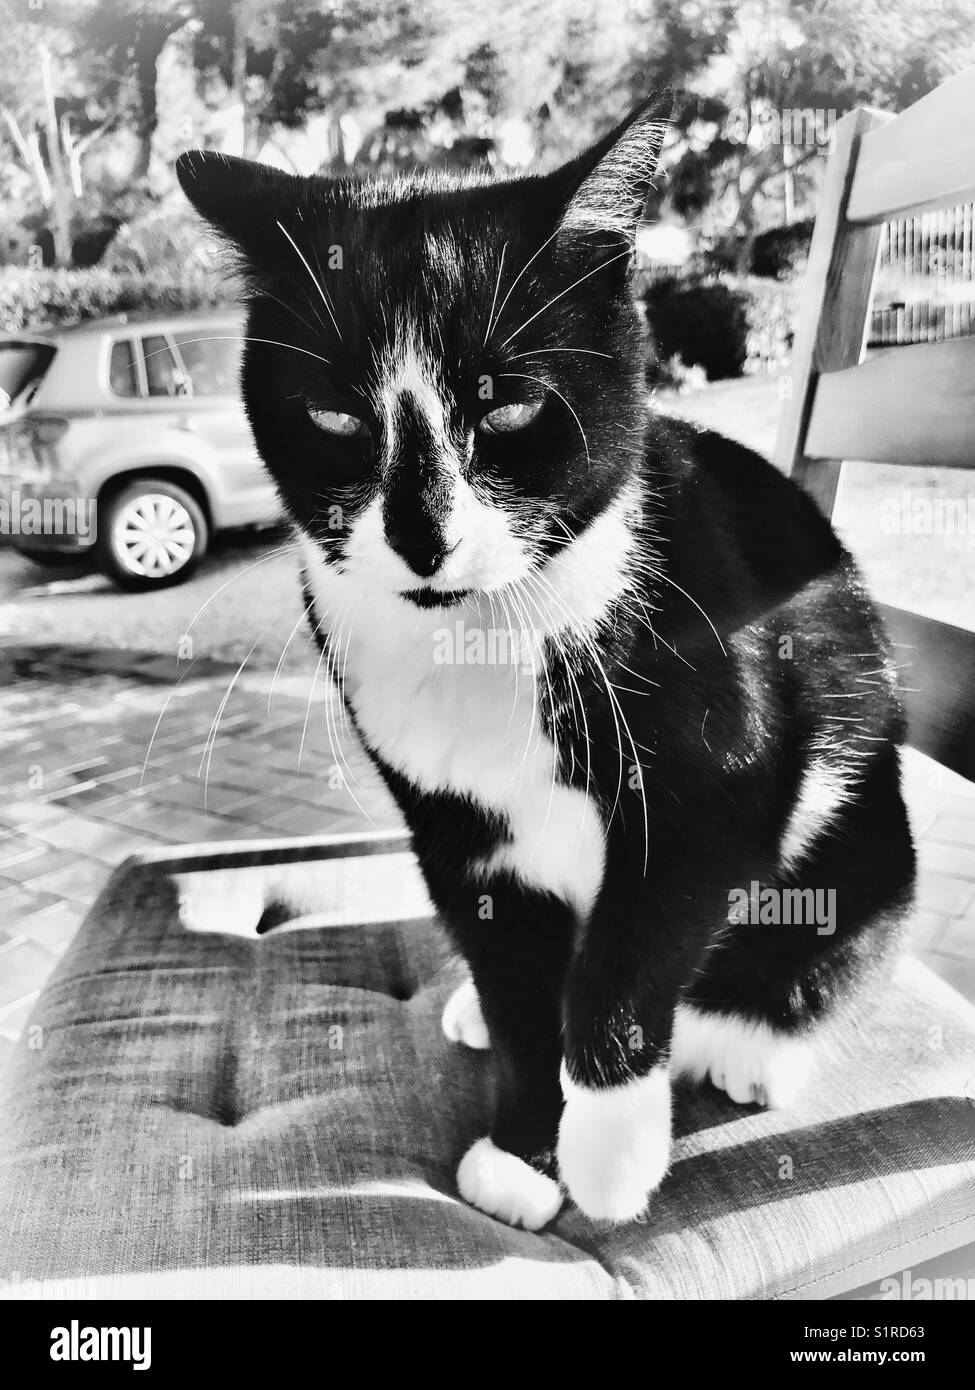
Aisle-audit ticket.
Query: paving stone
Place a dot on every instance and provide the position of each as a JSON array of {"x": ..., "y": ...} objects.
[
  {"x": 24, "y": 968},
  {"x": 79, "y": 882},
  {"x": 20, "y": 903},
  {"x": 306, "y": 820},
  {"x": 953, "y": 861},
  {"x": 82, "y": 835},
  {"x": 957, "y": 938},
  {"x": 17, "y": 848},
  {"x": 186, "y": 826},
  {"x": 48, "y": 861},
  {"x": 13, "y": 1017},
  {"x": 955, "y": 829},
  {"x": 958, "y": 973},
  {"x": 950, "y": 896},
  {"x": 926, "y": 929},
  {"x": 26, "y": 813}
]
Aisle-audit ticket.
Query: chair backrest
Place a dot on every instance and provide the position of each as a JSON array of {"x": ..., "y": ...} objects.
[{"x": 912, "y": 405}]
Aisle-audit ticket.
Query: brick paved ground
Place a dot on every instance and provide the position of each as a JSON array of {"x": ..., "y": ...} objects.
[
  {"x": 77, "y": 795},
  {"x": 75, "y": 726}
]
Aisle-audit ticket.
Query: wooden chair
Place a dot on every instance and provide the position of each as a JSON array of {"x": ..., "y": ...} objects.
[{"x": 910, "y": 405}]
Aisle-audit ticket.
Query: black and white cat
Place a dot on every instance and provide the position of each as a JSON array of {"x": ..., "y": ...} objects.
[{"x": 690, "y": 717}]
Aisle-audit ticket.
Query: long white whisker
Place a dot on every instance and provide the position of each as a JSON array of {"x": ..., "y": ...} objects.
[
  {"x": 345, "y": 663},
  {"x": 555, "y": 732},
  {"x": 542, "y": 584},
  {"x": 534, "y": 691},
  {"x": 497, "y": 286},
  {"x": 155, "y": 731},
  {"x": 562, "y": 293},
  {"x": 590, "y": 650},
  {"x": 330, "y": 648},
  {"x": 266, "y": 294},
  {"x": 246, "y": 338},
  {"x": 311, "y": 696},
  {"x": 568, "y": 407},
  {"x": 658, "y": 574},
  {"x": 537, "y": 352},
  {"x": 279, "y": 553},
  {"x": 509, "y": 627},
  {"x": 211, "y": 741},
  {"x": 521, "y": 272},
  {"x": 319, "y": 287},
  {"x": 284, "y": 652}
]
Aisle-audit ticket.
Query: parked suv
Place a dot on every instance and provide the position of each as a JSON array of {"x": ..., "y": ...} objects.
[{"x": 128, "y": 435}]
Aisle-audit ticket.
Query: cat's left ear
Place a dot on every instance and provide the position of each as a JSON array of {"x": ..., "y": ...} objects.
[
  {"x": 244, "y": 201},
  {"x": 605, "y": 190}
]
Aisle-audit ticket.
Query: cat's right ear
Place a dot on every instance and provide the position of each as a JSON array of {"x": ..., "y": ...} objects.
[
  {"x": 244, "y": 201},
  {"x": 604, "y": 191}
]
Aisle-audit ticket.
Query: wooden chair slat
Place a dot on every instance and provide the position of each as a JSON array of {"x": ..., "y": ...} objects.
[
  {"x": 909, "y": 405},
  {"x": 833, "y": 312},
  {"x": 922, "y": 160},
  {"x": 937, "y": 680}
]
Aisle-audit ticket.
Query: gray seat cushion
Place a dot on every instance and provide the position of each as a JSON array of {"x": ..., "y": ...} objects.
[{"x": 193, "y": 1113}]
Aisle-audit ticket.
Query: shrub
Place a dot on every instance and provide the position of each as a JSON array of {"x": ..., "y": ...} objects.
[
  {"x": 728, "y": 325},
  {"x": 782, "y": 251},
  {"x": 674, "y": 374},
  {"x": 771, "y": 307},
  {"x": 34, "y": 298},
  {"x": 703, "y": 321},
  {"x": 166, "y": 240}
]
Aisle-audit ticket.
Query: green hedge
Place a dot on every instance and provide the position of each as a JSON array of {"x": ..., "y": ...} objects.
[{"x": 32, "y": 298}]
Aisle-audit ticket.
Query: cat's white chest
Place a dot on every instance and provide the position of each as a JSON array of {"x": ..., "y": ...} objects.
[{"x": 457, "y": 717}]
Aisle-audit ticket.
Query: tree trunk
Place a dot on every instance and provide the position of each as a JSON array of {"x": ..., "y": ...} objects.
[
  {"x": 153, "y": 36},
  {"x": 61, "y": 199},
  {"x": 248, "y": 122},
  {"x": 743, "y": 252}
]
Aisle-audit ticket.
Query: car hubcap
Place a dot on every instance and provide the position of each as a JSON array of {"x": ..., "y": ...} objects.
[{"x": 154, "y": 536}]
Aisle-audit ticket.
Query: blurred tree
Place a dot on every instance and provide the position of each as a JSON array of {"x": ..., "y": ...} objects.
[
  {"x": 49, "y": 121},
  {"x": 284, "y": 60},
  {"x": 457, "y": 82},
  {"x": 621, "y": 53},
  {"x": 128, "y": 37},
  {"x": 757, "y": 117}
]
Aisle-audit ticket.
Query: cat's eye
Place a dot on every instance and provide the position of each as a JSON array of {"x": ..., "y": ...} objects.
[
  {"x": 338, "y": 423},
  {"x": 508, "y": 418}
]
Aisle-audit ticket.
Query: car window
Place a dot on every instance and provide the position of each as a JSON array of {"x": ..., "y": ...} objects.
[
  {"x": 22, "y": 365},
  {"x": 164, "y": 376},
  {"x": 122, "y": 376},
  {"x": 212, "y": 363}
]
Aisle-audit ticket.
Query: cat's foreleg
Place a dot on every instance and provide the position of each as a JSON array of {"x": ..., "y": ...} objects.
[
  {"x": 463, "y": 1018},
  {"x": 517, "y": 944},
  {"x": 623, "y": 987}
]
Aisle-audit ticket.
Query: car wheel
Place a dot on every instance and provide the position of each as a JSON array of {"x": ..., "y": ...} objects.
[{"x": 153, "y": 534}]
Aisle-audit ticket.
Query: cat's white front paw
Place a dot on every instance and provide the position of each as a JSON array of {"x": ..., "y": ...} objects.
[
  {"x": 462, "y": 1020},
  {"x": 614, "y": 1144},
  {"x": 506, "y": 1187},
  {"x": 748, "y": 1060}
]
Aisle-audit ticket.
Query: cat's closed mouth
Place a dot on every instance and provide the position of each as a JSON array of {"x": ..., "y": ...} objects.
[{"x": 436, "y": 598}]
